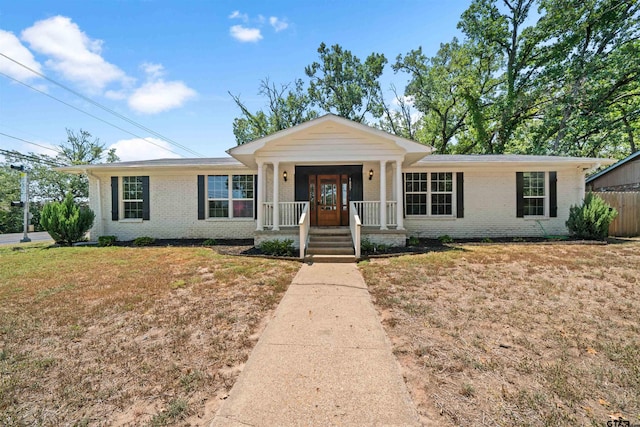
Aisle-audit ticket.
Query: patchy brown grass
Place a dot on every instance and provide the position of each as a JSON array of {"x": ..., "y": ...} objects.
[
  {"x": 127, "y": 336},
  {"x": 527, "y": 335}
]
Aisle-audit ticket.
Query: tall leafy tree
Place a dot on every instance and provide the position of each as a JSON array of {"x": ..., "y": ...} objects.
[
  {"x": 287, "y": 105},
  {"x": 341, "y": 84},
  {"x": 504, "y": 27},
  {"x": 592, "y": 71}
]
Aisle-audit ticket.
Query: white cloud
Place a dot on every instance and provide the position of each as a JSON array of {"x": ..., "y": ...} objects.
[
  {"x": 278, "y": 24},
  {"x": 11, "y": 46},
  {"x": 244, "y": 34},
  {"x": 237, "y": 15},
  {"x": 141, "y": 149},
  {"x": 406, "y": 99},
  {"x": 158, "y": 96},
  {"x": 72, "y": 53},
  {"x": 153, "y": 71}
]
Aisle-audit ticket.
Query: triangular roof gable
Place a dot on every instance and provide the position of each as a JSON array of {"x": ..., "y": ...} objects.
[
  {"x": 614, "y": 166},
  {"x": 413, "y": 150}
]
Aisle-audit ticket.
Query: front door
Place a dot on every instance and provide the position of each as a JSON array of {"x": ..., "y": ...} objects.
[{"x": 328, "y": 200}]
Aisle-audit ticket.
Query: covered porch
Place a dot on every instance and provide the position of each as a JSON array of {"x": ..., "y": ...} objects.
[{"x": 330, "y": 172}]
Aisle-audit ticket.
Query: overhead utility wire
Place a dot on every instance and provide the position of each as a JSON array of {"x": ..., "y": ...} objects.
[
  {"x": 107, "y": 109},
  {"x": 32, "y": 143},
  {"x": 31, "y": 158},
  {"x": 88, "y": 114}
]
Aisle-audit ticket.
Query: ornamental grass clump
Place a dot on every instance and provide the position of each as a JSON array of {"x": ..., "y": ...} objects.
[
  {"x": 591, "y": 219},
  {"x": 66, "y": 221}
]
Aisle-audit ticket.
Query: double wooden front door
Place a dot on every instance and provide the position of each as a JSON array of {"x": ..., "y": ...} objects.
[{"x": 329, "y": 200}]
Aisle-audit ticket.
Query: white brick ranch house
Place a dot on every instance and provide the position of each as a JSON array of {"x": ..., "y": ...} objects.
[{"x": 332, "y": 172}]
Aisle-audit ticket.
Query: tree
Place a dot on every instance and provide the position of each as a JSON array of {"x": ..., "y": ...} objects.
[
  {"x": 341, "y": 84},
  {"x": 404, "y": 120},
  {"x": 10, "y": 217},
  {"x": 591, "y": 52},
  {"x": 287, "y": 106},
  {"x": 66, "y": 222}
]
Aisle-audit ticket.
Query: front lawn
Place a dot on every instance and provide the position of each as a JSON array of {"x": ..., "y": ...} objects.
[
  {"x": 526, "y": 335},
  {"x": 115, "y": 336}
]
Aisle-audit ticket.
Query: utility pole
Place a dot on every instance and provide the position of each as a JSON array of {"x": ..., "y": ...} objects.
[{"x": 24, "y": 200}]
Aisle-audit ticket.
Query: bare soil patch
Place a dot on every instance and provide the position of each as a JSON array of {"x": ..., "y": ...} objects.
[
  {"x": 527, "y": 335},
  {"x": 128, "y": 336}
]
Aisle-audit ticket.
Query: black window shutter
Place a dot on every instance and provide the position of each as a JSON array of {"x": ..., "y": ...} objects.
[
  {"x": 201, "y": 201},
  {"x": 553, "y": 194},
  {"x": 145, "y": 197},
  {"x": 255, "y": 197},
  {"x": 460, "y": 194},
  {"x": 114, "y": 199},
  {"x": 520, "y": 194},
  {"x": 404, "y": 195}
]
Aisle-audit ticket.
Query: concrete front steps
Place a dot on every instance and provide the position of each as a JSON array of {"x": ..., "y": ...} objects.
[{"x": 330, "y": 244}]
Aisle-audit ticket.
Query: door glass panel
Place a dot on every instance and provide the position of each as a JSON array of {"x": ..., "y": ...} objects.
[{"x": 328, "y": 196}]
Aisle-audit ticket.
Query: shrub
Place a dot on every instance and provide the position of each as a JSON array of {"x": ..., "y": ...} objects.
[
  {"x": 445, "y": 239},
  {"x": 143, "y": 241},
  {"x": 209, "y": 242},
  {"x": 413, "y": 241},
  {"x": 591, "y": 219},
  {"x": 487, "y": 240},
  {"x": 106, "y": 240},
  {"x": 277, "y": 247},
  {"x": 66, "y": 221},
  {"x": 369, "y": 247}
]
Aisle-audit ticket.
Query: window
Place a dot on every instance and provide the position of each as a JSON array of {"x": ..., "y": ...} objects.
[
  {"x": 230, "y": 201},
  {"x": 416, "y": 193},
  {"x": 533, "y": 193},
  {"x": 132, "y": 196},
  {"x": 432, "y": 193},
  {"x": 441, "y": 193}
]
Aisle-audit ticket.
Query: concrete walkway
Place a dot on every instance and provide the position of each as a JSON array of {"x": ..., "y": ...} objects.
[{"x": 324, "y": 359}]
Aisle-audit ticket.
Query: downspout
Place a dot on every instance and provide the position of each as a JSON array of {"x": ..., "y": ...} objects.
[{"x": 99, "y": 228}]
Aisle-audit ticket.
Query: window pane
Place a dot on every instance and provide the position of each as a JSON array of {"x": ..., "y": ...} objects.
[
  {"x": 534, "y": 206},
  {"x": 243, "y": 208},
  {"x": 533, "y": 184},
  {"x": 131, "y": 188},
  {"x": 416, "y": 204},
  {"x": 133, "y": 209},
  {"x": 441, "y": 181},
  {"x": 218, "y": 186},
  {"x": 441, "y": 204},
  {"x": 218, "y": 208},
  {"x": 242, "y": 187}
]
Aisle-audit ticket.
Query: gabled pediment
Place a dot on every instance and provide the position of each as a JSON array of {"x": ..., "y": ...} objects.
[{"x": 330, "y": 139}]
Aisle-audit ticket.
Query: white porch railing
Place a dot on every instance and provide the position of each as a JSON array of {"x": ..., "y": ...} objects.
[
  {"x": 369, "y": 213},
  {"x": 355, "y": 226},
  {"x": 304, "y": 224},
  {"x": 290, "y": 213}
]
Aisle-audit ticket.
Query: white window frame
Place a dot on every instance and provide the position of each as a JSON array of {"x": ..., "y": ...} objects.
[
  {"x": 429, "y": 193},
  {"x": 124, "y": 201},
  {"x": 544, "y": 197},
  {"x": 230, "y": 199}
]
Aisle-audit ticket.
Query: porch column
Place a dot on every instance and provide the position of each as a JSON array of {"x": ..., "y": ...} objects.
[
  {"x": 383, "y": 195},
  {"x": 399, "y": 198},
  {"x": 260, "y": 202},
  {"x": 276, "y": 190}
]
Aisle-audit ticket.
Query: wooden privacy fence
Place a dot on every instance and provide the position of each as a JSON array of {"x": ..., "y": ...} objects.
[{"x": 627, "y": 223}]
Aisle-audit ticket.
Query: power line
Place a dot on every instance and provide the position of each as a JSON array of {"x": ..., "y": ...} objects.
[
  {"x": 107, "y": 109},
  {"x": 31, "y": 158},
  {"x": 32, "y": 143},
  {"x": 87, "y": 113}
]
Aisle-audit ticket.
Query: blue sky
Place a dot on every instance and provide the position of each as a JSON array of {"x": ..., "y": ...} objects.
[{"x": 169, "y": 65}]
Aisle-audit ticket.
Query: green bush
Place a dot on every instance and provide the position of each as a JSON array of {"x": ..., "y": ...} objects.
[
  {"x": 143, "y": 241},
  {"x": 209, "y": 242},
  {"x": 413, "y": 241},
  {"x": 106, "y": 240},
  {"x": 591, "y": 219},
  {"x": 445, "y": 239},
  {"x": 277, "y": 247},
  {"x": 66, "y": 221},
  {"x": 369, "y": 247}
]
